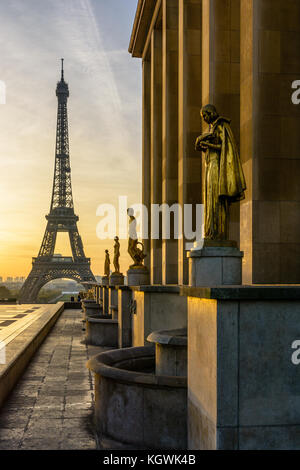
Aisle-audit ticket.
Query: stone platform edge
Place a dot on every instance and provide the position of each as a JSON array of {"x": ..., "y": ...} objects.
[
  {"x": 23, "y": 347},
  {"x": 151, "y": 288},
  {"x": 283, "y": 292}
]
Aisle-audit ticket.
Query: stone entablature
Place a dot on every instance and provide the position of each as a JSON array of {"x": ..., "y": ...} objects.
[{"x": 141, "y": 26}]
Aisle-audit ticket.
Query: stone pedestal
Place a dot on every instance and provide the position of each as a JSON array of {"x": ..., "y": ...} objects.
[
  {"x": 116, "y": 279},
  {"x": 102, "y": 332},
  {"x": 216, "y": 264},
  {"x": 138, "y": 276},
  {"x": 93, "y": 309},
  {"x": 105, "y": 281},
  {"x": 170, "y": 352},
  {"x": 155, "y": 308},
  {"x": 243, "y": 386},
  {"x": 87, "y": 304}
]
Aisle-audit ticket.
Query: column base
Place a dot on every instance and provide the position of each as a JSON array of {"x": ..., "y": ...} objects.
[{"x": 217, "y": 263}]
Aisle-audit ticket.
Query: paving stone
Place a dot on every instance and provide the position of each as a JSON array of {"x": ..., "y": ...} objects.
[
  {"x": 73, "y": 391},
  {"x": 72, "y": 407},
  {"x": 51, "y": 393},
  {"x": 11, "y": 433},
  {"x": 31, "y": 380},
  {"x": 42, "y": 422},
  {"x": 77, "y": 424},
  {"x": 72, "y": 412},
  {"x": 43, "y": 433},
  {"x": 29, "y": 393},
  {"x": 45, "y": 408},
  {"x": 10, "y": 444},
  {"x": 46, "y": 414},
  {"x": 41, "y": 444},
  {"x": 12, "y": 421},
  {"x": 49, "y": 401},
  {"x": 81, "y": 444},
  {"x": 21, "y": 401}
]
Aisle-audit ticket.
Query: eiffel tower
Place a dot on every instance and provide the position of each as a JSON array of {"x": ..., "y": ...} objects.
[{"x": 48, "y": 266}]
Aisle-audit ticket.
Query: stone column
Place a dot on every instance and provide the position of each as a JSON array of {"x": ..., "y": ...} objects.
[
  {"x": 270, "y": 142},
  {"x": 189, "y": 105},
  {"x": 156, "y": 147},
  {"x": 97, "y": 294},
  {"x": 113, "y": 302},
  {"x": 221, "y": 70},
  {"x": 170, "y": 132},
  {"x": 124, "y": 317},
  {"x": 146, "y": 180},
  {"x": 105, "y": 301}
]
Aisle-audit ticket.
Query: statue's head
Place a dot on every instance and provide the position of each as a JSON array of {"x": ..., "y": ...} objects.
[
  {"x": 130, "y": 212},
  {"x": 106, "y": 251},
  {"x": 209, "y": 113},
  {"x": 116, "y": 239}
]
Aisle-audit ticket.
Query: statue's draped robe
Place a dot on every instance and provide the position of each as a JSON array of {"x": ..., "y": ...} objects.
[{"x": 224, "y": 180}]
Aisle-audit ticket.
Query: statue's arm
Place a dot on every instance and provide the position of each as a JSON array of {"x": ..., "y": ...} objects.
[
  {"x": 218, "y": 134},
  {"x": 199, "y": 144},
  {"x": 212, "y": 146}
]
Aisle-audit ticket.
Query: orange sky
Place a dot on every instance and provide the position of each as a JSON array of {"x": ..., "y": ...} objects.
[{"x": 104, "y": 121}]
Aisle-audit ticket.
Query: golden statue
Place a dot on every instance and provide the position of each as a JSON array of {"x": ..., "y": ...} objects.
[
  {"x": 107, "y": 264},
  {"x": 117, "y": 255},
  {"x": 90, "y": 295},
  {"x": 136, "y": 253},
  {"x": 224, "y": 177}
]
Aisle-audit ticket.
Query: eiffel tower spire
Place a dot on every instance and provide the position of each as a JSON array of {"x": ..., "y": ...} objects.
[
  {"x": 62, "y": 189},
  {"x": 61, "y": 217},
  {"x": 62, "y": 70}
]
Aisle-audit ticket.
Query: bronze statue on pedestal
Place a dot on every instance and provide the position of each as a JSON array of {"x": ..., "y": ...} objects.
[
  {"x": 136, "y": 253},
  {"x": 224, "y": 177}
]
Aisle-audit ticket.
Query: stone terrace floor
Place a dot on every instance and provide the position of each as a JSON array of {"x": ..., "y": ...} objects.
[{"x": 52, "y": 405}]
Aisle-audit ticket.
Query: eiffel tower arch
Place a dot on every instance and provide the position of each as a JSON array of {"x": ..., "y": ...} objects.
[{"x": 47, "y": 266}]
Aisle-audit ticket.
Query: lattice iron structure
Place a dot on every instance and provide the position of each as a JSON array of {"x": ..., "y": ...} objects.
[{"x": 61, "y": 218}]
